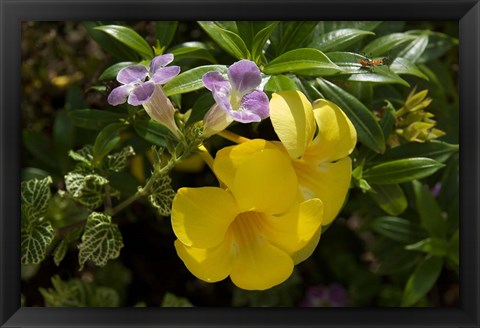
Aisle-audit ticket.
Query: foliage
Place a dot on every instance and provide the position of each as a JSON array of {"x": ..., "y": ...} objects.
[{"x": 96, "y": 198}]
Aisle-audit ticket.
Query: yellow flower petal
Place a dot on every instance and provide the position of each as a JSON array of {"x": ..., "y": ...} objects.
[
  {"x": 327, "y": 181},
  {"x": 336, "y": 136},
  {"x": 210, "y": 264},
  {"x": 258, "y": 265},
  {"x": 265, "y": 182},
  {"x": 293, "y": 230},
  {"x": 229, "y": 159},
  {"x": 305, "y": 252},
  {"x": 292, "y": 118},
  {"x": 201, "y": 216}
]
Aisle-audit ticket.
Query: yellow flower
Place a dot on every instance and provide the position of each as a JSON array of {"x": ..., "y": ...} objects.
[
  {"x": 254, "y": 229},
  {"x": 320, "y": 161}
]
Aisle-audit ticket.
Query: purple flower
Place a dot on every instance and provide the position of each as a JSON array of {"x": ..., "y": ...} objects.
[
  {"x": 139, "y": 82},
  {"x": 325, "y": 296},
  {"x": 238, "y": 95}
]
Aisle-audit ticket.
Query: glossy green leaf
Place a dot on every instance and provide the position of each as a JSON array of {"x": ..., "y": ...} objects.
[
  {"x": 429, "y": 211},
  {"x": 111, "y": 72},
  {"x": 436, "y": 150},
  {"x": 278, "y": 83},
  {"x": 94, "y": 119},
  {"x": 328, "y": 26},
  {"x": 438, "y": 45},
  {"x": 164, "y": 32},
  {"x": 401, "y": 170},
  {"x": 305, "y": 61},
  {"x": 110, "y": 45},
  {"x": 101, "y": 240},
  {"x": 384, "y": 44},
  {"x": 107, "y": 140},
  {"x": 83, "y": 155},
  {"x": 193, "y": 52},
  {"x": 190, "y": 80},
  {"x": 128, "y": 37},
  {"x": 248, "y": 29},
  {"x": 398, "y": 229},
  {"x": 338, "y": 40},
  {"x": 227, "y": 40},
  {"x": 422, "y": 280},
  {"x": 387, "y": 122},
  {"x": 369, "y": 131},
  {"x": 390, "y": 198},
  {"x": 292, "y": 35},
  {"x": 153, "y": 132},
  {"x": 404, "y": 66},
  {"x": 414, "y": 50},
  {"x": 259, "y": 41}
]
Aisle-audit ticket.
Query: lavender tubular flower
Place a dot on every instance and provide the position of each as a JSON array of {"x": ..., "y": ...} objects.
[
  {"x": 142, "y": 86},
  {"x": 237, "y": 96}
]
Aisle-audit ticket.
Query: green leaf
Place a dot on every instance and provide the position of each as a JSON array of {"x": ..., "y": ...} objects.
[
  {"x": 398, "y": 229},
  {"x": 171, "y": 300},
  {"x": 438, "y": 45},
  {"x": 401, "y": 170},
  {"x": 397, "y": 260},
  {"x": 35, "y": 194},
  {"x": 278, "y": 83},
  {"x": 432, "y": 246},
  {"x": 414, "y": 50},
  {"x": 63, "y": 134},
  {"x": 94, "y": 119},
  {"x": 86, "y": 187},
  {"x": 161, "y": 195},
  {"x": 36, "y": 237},
  {"x": 116, "y": 162},
  {"x": 453, "y": 251},
  {"x": 429, "y": 211},
  {"x": 111, "y": 72},
  {"x": 387, "y": 121},
  {"x": 292, "y": 35},
  {"x": 153, "y": 132},
  {"x": 248, "y": 29},
  {"x": 259, "y": 41},
  {"x": 201, "y": 107},
  {"x": 369, "y": 131},
  {"x": 404, "y": 66},
  {"x": 192, "y": 52},
  {"x": 83, "y": 155},
  {"x": 436, "y": 150},
  {"x": 164, "y": 32},
  {"x": 227, "y": 40},
  {"x": 106, "y": 140},
  {"x": 60, "y": 251},
  {"x": 339, "y": 39},
  {"x": 105, "y": 297},
  {"x": 40, "y": 146},
  {"x": 128, "y": 37},
  {"x": 385, "y": 44},
  {"x": 305, "y": 61},
  {"x": 101, "y": 240},
  {"x": 190, "y": 80},
  {"x": 422, "y": 280},
  {"x": 390, "y": 198}
]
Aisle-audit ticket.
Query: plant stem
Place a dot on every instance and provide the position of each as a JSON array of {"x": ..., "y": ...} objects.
[{"x": 232, "y": 136}]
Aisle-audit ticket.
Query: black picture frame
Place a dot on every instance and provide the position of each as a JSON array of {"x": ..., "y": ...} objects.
[{"x": 13, "y": 12}]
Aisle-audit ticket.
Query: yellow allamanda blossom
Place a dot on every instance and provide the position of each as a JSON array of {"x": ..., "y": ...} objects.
[
  {"x": 255, "y": 229},
  {"x": 318, "y": 139}
]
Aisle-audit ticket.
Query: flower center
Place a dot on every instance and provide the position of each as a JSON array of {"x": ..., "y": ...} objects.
[
  {"x": 235, "y": 100},
  {"x": 246, "y": 229}
]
